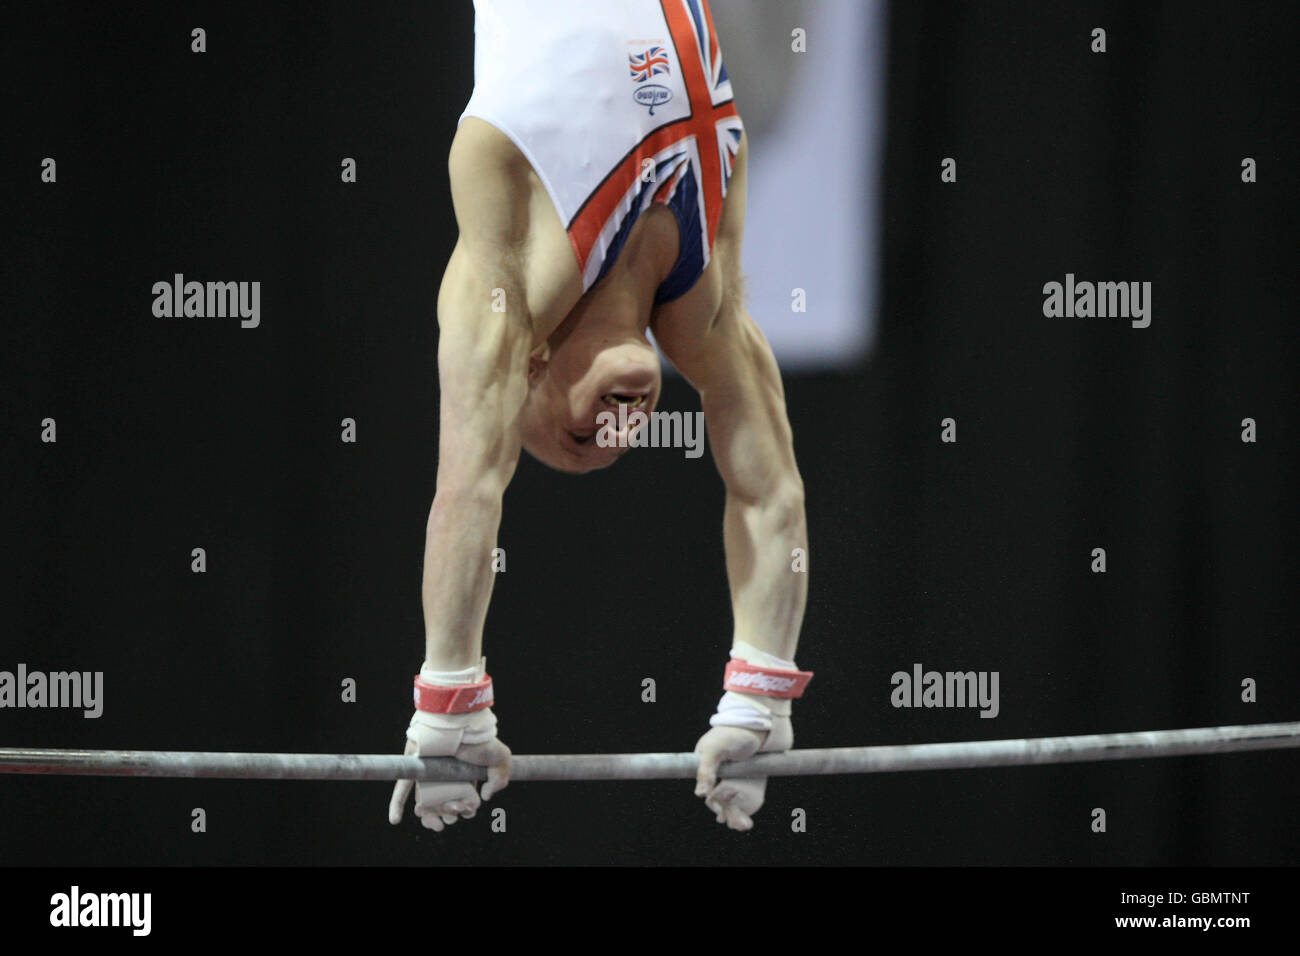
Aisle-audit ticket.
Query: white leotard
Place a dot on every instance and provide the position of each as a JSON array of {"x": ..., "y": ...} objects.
[{"x": 617, "y": 104}]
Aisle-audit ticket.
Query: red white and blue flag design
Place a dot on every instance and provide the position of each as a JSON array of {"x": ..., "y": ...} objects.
[
  {"x": 650, "y": 63},
  {"x": 692, "y": 157}
]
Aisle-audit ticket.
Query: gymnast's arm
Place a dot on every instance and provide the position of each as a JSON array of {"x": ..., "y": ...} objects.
[
  {"x": 482, "y": 359},
  {"x": 718, "y": 346},
  {"x": 483, "y": 353},
  {"x": 483, "y": 379},
  {"x": 753, "y": 448},
  {"x": 744, "y": 404},
  {"x": 483, "y": 376},
  {"x": 712, "y": 339}
]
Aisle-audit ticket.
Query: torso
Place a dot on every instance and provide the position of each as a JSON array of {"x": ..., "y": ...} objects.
[
  {"x": 553, "y": 282},
  {"x": 569, "y": 92}
]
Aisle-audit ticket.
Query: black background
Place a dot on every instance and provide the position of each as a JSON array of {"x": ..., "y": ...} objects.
[{"x": 1073, "y": 434}]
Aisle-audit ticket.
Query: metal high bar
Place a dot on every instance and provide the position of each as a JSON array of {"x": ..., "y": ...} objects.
[{"x": 1032, "y": 751}]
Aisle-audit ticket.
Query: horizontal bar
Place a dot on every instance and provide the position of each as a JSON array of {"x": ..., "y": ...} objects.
[{"x": 658, "y": 766}]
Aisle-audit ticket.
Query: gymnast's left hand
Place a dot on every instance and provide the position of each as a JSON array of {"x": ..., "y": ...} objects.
[
  {"x": 470, "y": 737},
  {"x": 735, "y": 801}
]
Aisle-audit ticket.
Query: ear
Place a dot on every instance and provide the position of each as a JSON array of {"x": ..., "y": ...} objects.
[{"x": 537, "y": 362}]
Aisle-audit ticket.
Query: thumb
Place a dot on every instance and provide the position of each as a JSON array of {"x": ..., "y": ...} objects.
[
  {"x": 495, "y": 756},
  {"x": 402, "y": 790},
  {"x": 498, "y": 769},
  {"x": 397, "y": 805},
  {"x": 498, "y": 775},
  {"x": 706, "y": 778}
]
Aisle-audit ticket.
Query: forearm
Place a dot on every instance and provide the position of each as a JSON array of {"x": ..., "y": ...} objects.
[
  {"x": 768, "y": 595},
  {"x": 458, "y": 576},
  {"x": 478, "y": 454}
]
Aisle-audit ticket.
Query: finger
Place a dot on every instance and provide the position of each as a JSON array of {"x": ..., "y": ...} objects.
[
  {"x": 397, "y": 805},
  {"x": 706, "y": 778},
  {"x": 469, "y": 806},
  {"x": 737, "y": 819},
  {"x": 717, "y": 801},
  {"x": 455, "y": 810},
  {"x": 432, "y": 822},
  {"x": 733, "y": 812},
  {"x": 728, "y": 801},
  {"x": 498, "y": 779}
]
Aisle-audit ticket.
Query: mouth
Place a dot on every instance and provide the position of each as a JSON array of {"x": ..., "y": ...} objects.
[{"x": 615, "y": 399}]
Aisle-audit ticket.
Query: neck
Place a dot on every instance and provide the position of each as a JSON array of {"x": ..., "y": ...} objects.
[
  {"x": 652, "y": 249},
  {"x": 620, "y": 304}
]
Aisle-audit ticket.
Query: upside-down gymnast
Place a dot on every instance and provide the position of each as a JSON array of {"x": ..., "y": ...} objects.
[{"x": 598, "y": 181}]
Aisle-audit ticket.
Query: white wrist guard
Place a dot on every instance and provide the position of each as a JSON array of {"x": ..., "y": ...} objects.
[
  {"x": 752, "y": 711},
  {"x": 472, "y": 727}
]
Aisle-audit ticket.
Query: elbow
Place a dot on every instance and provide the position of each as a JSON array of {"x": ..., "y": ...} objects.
[
  {"x": 470, "y": 477},
  {"x": 464, "y": 498},
  {"x": 788, "y": 501},
  {"x": 780, "y": 499}
]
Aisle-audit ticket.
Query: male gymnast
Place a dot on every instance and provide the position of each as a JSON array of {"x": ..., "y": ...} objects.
[{"x": 598, "y": 181}]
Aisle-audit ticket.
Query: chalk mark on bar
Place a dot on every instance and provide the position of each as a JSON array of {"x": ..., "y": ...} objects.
[{"x": 658, "y": 766}]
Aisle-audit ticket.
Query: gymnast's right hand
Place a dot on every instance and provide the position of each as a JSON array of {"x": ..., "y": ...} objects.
[{"x": 471, "y": 737}]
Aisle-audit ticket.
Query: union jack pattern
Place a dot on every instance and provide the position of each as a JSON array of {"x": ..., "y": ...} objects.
[
  {"x": 650, "y": 63},
  {"x": 692, "y": 159}
]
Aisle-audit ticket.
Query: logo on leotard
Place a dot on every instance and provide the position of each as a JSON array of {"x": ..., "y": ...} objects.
[
  {"x": 645, "y": 61},
  {"x": 652, "y": 95}
]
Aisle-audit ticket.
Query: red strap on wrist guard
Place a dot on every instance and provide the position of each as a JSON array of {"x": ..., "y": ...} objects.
[
  {"x": 746, "y": 678},
  {"x": 454, "y": 699}
]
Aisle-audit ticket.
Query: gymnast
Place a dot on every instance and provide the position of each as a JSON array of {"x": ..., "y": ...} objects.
[{"x": 598, "y": 182}]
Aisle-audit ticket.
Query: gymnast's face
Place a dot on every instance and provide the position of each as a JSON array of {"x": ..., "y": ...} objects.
[{"x": 581, "y": 371}]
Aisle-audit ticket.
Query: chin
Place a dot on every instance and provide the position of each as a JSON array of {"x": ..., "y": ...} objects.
[
  {"x": 555, "y": 459},
  {"x": 558, "y": 460}
]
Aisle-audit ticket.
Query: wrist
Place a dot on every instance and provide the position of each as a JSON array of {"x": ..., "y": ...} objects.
[
  {"x": 455, "y": 700},
  {"x": 446, "y": 676},
  {"x": 759, "y": 687}
]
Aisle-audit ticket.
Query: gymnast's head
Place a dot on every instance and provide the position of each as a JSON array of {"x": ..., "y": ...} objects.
[{"x": 594, "y": 362}]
